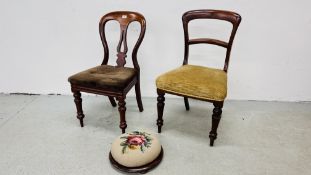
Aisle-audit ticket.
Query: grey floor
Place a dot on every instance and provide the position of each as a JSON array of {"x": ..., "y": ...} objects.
[{"x": 40, "y": 135}]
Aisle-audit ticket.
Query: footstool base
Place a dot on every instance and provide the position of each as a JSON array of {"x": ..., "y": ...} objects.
[{"x": 141, "y": 169}]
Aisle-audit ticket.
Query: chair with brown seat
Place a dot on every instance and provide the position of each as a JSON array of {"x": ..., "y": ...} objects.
[
  {"x": 198, "y": 82},
  {"x": 112, "y": 81}
]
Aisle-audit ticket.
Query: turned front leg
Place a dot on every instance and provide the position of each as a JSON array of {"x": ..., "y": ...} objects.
[
  {"x": 215, "y": 121},
  {"x": 122, "y": 109},
  {"x": 78, "y": 102}
]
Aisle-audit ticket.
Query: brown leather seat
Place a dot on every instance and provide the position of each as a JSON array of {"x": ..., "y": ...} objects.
[{"x": 104, "y": 76}]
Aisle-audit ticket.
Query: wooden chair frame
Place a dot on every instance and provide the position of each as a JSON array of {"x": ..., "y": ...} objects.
[
  {"x": 124, "y": 18},
  {"x": 235, "y": 20}
]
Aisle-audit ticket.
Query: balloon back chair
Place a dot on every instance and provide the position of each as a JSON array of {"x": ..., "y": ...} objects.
[
  {"x": 112, "y": 81},
  {"x": 198, "y": 82}
]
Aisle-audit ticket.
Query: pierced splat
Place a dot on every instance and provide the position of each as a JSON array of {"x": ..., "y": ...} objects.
[
  {"x": 103, "y": 86},
  {"x": 121, "y": 59},
  {"x": 122, "y": 54},
  {"x": 124, "y": 19}
]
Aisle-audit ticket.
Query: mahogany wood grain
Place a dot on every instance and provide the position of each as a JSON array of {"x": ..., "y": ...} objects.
[
  {"x": 124, "y": 18},
  {"x": 232, "y": 17},
  {"x": 228, "y": 16}
]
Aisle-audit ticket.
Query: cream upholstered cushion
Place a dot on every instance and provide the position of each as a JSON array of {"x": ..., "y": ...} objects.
[
  {"x": 195, "y": 81},
  {"x": 135, "y": 148}
]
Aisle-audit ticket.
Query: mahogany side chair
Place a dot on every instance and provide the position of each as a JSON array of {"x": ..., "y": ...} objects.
[
  {"x": 112, "y": 81},
  {"x": 198, "y": 82}
]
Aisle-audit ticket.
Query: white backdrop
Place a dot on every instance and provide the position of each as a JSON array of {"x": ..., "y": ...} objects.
[{"x": 42, "y": 42}]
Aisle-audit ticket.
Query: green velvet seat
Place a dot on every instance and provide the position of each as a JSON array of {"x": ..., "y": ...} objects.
[{"x": 196, "y": 81}]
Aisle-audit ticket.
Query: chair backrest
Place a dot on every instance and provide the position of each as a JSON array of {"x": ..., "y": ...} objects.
[
  {"x": 231, "y": 17},
  {"x": 124, "y": 18}
]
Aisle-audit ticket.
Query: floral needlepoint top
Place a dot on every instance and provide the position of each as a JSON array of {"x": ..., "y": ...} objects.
[{"x": 136, "y": 140}]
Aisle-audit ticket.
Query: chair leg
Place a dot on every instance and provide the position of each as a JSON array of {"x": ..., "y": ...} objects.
[
  {"x": 160, "y": 107},
  {"x": 112, "y": 101},
  {"x": 186, "y": 103},
  {"x": 215, "y": 121},
  {"x": 122, "y": 109},
  {"x": 138, "y": 97},
  {"x": 78, "y": 102}
]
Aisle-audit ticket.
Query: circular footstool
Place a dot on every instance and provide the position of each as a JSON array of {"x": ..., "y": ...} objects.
[{"x": 136, "y": 152}]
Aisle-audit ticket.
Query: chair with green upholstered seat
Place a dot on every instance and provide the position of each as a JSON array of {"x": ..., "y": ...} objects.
[
  {"x": 198, "y": 82},
  {"x": 112, "y": 81}
]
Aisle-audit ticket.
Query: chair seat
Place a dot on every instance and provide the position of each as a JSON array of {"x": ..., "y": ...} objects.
[
  {"x": 195, "y": 81},
  {"x": 104, "y": 76}
]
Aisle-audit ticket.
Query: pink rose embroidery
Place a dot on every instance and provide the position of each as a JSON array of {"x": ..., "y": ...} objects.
[{"x": 136, "y": 140}]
